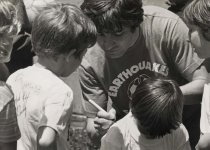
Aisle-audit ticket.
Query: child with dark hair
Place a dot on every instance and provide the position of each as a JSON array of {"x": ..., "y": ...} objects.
[
  {"x": 61, "y": 34},
  {"x": 197, "y": 17},
  {"x": 177, "y": 6},
  {"x": 9, "y": 132},
  {"x": 154, "y": 121}
]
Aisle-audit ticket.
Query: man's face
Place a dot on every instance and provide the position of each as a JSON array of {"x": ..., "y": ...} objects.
[
  {"x": 200, "y": 41},
  {"x": 6, "y": 41},
  {"x": 117, "y": 44}
]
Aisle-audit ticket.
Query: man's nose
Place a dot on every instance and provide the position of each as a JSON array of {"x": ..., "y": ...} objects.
[{"x": 109, "y": 39}]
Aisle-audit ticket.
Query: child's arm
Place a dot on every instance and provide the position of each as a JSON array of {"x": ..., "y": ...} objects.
[
  {"x": 204, "y": 142},
  {"x": 46, "y": 139}
]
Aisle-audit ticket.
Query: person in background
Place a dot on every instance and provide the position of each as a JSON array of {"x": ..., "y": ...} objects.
[
  {"x": 135, "y": 44},
  {"x": 9, "y": 131},
  {"x": 22, "y": 55},
  {"x": 197, "y": 17},
  {"x": 177, "y": 6},
  {"x": 61, "y": 34},
  {"x": 154, "y": 121}
]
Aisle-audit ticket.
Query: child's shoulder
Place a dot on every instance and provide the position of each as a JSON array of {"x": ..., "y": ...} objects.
[{"x": 127, "y": 124}]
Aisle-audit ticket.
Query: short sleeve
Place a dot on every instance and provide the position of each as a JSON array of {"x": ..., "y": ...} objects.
[
  {"x": 9, "y": 131},
  {"x": 57, "y": 109},
  {"x": 182, "y": 138},
  {"x": 112, "y": 140},
  {"x": 181, "y": 50}
]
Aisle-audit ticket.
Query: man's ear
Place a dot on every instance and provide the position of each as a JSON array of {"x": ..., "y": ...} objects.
[{"x": 70, "y": 54}]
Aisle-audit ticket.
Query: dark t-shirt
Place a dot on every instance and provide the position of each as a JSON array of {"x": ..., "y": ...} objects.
[{"x": 162, "y": 49}]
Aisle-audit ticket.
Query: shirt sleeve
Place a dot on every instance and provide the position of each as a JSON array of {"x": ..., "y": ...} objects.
[
  {"x": 92, "y": 89},
  {"x": 57, "y": 109},
  {"x": 9, "y": 131},
  {"x": 112, "y": 140},
  {"x": 181, "y": 51},
  {"x": 182, "y": 139}
]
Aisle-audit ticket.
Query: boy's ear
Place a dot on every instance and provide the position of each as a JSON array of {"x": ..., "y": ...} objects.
[{"x": 70, "y": 54}]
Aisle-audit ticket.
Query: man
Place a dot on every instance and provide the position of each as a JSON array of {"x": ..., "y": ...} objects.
[{"x": 135, "y": 44}]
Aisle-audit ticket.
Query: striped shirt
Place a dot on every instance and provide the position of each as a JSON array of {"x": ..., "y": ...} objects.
[{"x": 9, "y": 131}]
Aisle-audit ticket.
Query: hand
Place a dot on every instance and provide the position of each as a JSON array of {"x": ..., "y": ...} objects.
[{"x": 104, "y": 120}]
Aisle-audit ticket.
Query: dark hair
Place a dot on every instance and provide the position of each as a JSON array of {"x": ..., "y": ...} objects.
[
  {"x": 177, "y": 5},
  {"x": 157, "y": 106},
  {"x": 60, "y": 28},
  {"x": 198, "y": 13},
  {"x": 112, "y": 15}
]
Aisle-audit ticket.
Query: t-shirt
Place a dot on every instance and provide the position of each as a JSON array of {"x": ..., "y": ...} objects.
[
  {"x": 9, "y": 131},
  {"x": 205, "y": 110},
  {"x": 162, "y": 49},
  {"x": 124, "y": 135},
  {"x": 41, "y": 99}
]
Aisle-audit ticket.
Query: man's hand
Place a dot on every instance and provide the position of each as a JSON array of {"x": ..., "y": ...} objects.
[{"x": 104, "y": 120}]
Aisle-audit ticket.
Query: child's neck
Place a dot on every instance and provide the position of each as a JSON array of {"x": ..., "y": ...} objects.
[{"x": 49, "y": 64}]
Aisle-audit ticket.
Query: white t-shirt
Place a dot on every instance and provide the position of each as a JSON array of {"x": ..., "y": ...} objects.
[
  {"x": 41, "y": 99},
  {"x": 205, "y": 110},
  {"x": 124, "y": 135}
]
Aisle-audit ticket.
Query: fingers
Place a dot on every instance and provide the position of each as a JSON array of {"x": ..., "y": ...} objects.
[
  {"x": 102, "y": 125},
  {"x": 111, "y": 115}
]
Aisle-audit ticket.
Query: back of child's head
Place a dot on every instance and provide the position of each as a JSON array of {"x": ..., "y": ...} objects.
[
  {"x": 177, "y": 5},
  {"x": 198, "y": 13},
  {"x": 59, "y": 28},
  {"x": 157, "y": 106}
]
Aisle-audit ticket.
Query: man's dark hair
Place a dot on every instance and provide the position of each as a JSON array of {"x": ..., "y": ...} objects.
[
  {"x": 157, "y": 106},
  {"x": 111, "y": 16}
]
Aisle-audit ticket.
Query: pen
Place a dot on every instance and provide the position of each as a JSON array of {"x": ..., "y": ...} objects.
[{"x": 96, "y": 105}]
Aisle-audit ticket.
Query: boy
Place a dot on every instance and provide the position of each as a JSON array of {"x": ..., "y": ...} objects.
[
  {"x": 61, "y": 34},
  {"x": 197, "y": 17},
  {"x": 154, "y": 121},
  {"x": 9, "y": 132}
]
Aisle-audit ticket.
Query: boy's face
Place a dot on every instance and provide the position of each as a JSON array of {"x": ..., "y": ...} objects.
[
  {"x": 116, "y": 45},
  {"x": 200, "y": 40},
  {"x": 73, "y": 63},
  {"x": 7, "y": 33}
]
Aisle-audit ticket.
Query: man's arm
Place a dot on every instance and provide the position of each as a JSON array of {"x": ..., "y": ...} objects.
[
  {"x": 46, "y": 138},
  {"x": 195, "y": 87}
]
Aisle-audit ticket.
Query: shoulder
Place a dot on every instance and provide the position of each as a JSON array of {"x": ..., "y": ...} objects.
[
  {"x": 126, "y": 125},
  {"x": 159, "y": 12},
  {"x": 159, "y": 19},
  {"x": 180, "y": 135},
  {"x": 6, "y": 95}
]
